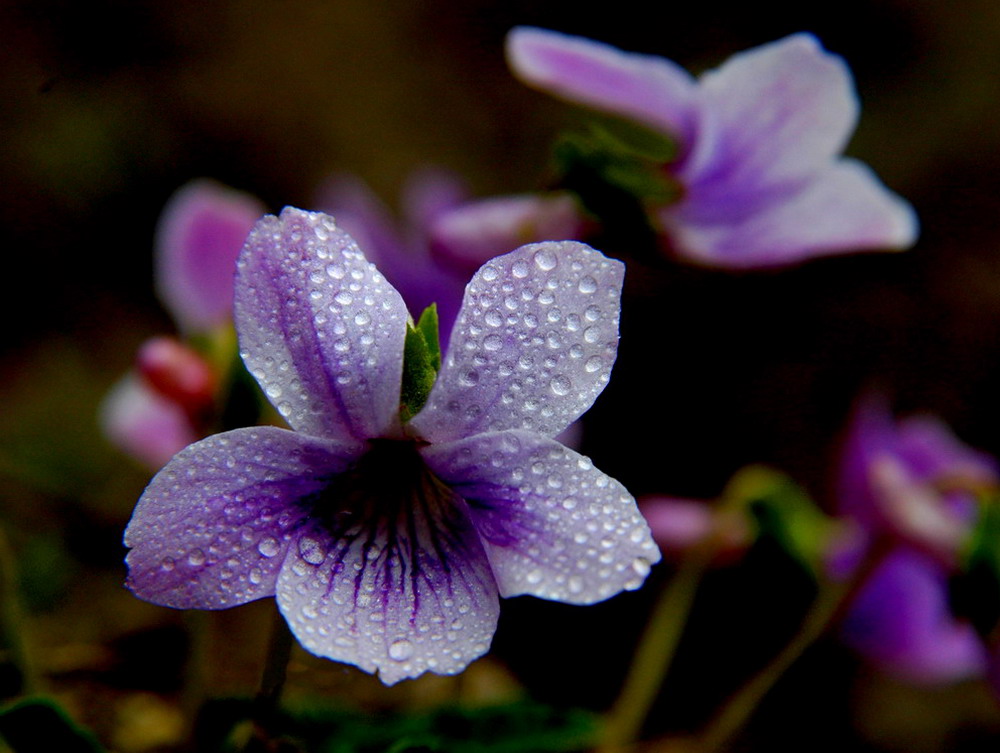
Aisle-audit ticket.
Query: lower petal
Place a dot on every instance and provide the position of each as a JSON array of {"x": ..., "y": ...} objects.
[
  {"x": 553, "y": 525},
  {"x": 212, "y": 528},
  {"x": 845, "y": 209},
  {"x": 399, "y": 595}
]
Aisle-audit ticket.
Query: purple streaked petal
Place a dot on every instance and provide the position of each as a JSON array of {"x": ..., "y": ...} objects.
[
  {"x": 844, "y": 209},
  {"x": 779, "y": 113},
  {"x": 649, "y": 89},
  {"x": 144, "y": 424},
  {"x": 199, "y": 235},
  {"x": 533, "y": 345},
  {"x": 212, "y": 528},
  {"x": 931, "y": 451},
  {"x": 553, "y": 525},
  {"x": 401, "y": 596},
  {"x": 901, "y": 621},
  {"x": 320, "y": 328},
  {"x": 473, "y": 233}
]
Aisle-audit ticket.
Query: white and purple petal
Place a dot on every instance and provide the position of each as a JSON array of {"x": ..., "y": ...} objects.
[
  {"x": 533, "y": 345},
  {"x": 845, "y": 208},
  {"x": 771, "y": 116},
  {"x": 553, "y": 525},
  {"x": 319, "y": 327},
  {"x": 649, "y": 89},
  {"x": 400, "y": 594},
  {"x": 213, "y": 527},
  {"x": 199, "y": 235}
]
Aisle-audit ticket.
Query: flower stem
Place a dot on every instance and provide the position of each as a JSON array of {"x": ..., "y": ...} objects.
[
  {"x": 272, "y": 682},
  {"x": 12, "y": 621},
  {"x": 655, "y": 653},
  {"x": 833, "y": 600}
]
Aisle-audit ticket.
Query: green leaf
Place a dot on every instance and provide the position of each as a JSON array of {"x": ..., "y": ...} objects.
[
  {"x": 783, "y": 513},
  {"x": 975, "y": 591},
  {"x": 40, "y": 726},
  {"x": 421, "y": 361}
]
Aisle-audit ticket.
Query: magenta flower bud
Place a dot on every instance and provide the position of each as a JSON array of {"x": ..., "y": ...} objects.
[{"x": 178, "y": 373}]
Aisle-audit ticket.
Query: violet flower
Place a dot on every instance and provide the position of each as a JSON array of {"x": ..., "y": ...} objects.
[
  {"x": 443, "y": 236},
  {"x": 893, "y": 482},
  {"x": 387, "y": 544},
  {"x": 759, "y": 139}
]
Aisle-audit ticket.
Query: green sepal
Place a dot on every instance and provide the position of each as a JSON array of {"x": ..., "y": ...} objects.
[
  {"x": 38, "y": 725},
  {"x": 623, "y": 155},
  {"x": 421, "y": 362},
  {"x": 975, "y": 590},
  {"x": 783, "y": 513}
]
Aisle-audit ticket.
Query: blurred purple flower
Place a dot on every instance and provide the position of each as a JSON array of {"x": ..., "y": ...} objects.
[
  {"x": 759, "y": 142},
  {"x": 444, "y": 236},
  {"x": 387, "y": 545},
  {"x": 905, "y": 482},
  {"x": 201, "y": 231}
]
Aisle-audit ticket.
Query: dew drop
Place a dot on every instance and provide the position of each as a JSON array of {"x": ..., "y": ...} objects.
[
  {"x": 593, "y": 364},
  {"x": 575, "y": 584},
  {"x": 268, "y": 547},
  {"x": 400, "y": 650},
  {"x": 587, "y": 284},
  {"x": 362, "y": 318},
  {"x": 492, "y": 343},
  {"x": 546, "y": 260},
  {"x": 534, "y": 577},
  {"x": 490, "y": 273},
  {"x": 196, "y": 558},
  {"x": 560, "y": 384}
]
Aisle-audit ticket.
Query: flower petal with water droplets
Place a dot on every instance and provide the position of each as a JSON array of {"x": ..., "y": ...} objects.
[
  {"x": 320, "y": 328},
  {"x": 401, "y": 596},
  {"x": 533, "y": 344},
  {"x": 212, "y": 528},
  {"x": 553, "y": 525}
]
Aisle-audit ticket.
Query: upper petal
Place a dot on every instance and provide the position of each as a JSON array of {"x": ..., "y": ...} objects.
[
  {"x": 320, "y": 328},
  {"x": 199, "y": 235},
  {"x": 400, "y": 594},
  {"x": 771, "y": 115},
  {"x": 651, "y": 90},
  {"x": 845, "y": 208},
  {"x": 533, "y": 344},
  {"x": 553, "y": 525},
  {"x": 213, "y": 526}
]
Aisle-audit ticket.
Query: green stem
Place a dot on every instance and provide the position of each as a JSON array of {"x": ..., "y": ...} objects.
[
  {"x": 655, "y": 654},
  {"x": 827, "y": 609},
  {"x": 12, "y": 621},
  {"x": 272, "y": 682}
]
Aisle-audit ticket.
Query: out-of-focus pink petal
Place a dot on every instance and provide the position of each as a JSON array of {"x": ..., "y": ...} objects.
[
  {"x": 199, "y": 235},
  {"x": 471, "y": 234},
  {"x": 177, "y": 372},
  {"x": 844, "y": 209},
  {"x": 427, "y": 192},
  {"x": 649, "y": 89},
  {"x": 143, "y": 423}
]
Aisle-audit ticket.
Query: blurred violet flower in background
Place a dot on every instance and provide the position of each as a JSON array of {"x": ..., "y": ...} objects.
[
  {"x": 443, "y": 236},
  {"x": 387, "y": 543},
  {"x": 758, "y": 143},
  {"x": 164, "y": 404},
  {"x": 909, "y": 484}
]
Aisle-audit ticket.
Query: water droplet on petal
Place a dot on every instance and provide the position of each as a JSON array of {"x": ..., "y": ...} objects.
[
  {"x": 560, "y": 384},
  {"x": 546, "y": 260},
  {"x": 268, "y": 546},
  {"x": 400, "y": 650}
]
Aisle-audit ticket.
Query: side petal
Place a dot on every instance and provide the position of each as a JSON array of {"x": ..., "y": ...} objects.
[
  {"x": 319, "y": 327},
  {"x": 553, "y": 525},
  {"x": 533, "y": 344},
  {"x": 901, "y": 621},
  {"x": 401, "y": 595},
  {"x": 199, "y": 235},
  {"x": 212, "y": 528},
  {"x": 144, "y": 424},
  {"x": 779, "y": 113},
  {"x": 845, "y": 209},
  {"x": 648, "y": 89}
]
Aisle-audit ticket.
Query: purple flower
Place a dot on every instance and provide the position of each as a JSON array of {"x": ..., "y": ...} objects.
[
  {"x": 200, "y": 232},
  {"x": 386, "y": 544},
  {"x": 758, "y": 145},
  {"x": 902, "y": 482}
]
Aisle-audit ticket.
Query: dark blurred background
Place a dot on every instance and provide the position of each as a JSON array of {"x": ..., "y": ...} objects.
[{"x": 110, "y": 106}]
